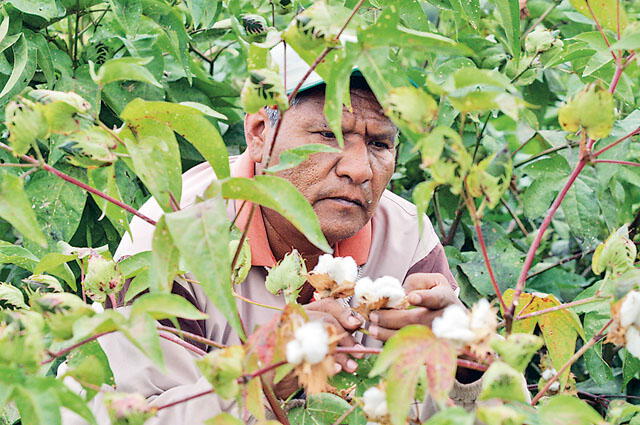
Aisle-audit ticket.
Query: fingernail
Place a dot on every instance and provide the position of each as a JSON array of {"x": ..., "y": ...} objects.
[
  {"x": 415, "y": 299},
  {"x": 353, "y": 321},
  {"x": 337, "y": 367},
  {"x": 352, "y": 366},
  {"x": 373, "y": 330},
  {"x": 374, "y": 317}
]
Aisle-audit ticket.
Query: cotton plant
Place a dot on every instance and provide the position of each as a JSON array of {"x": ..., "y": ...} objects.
[
  {"x": 473, "y": 328},
  {"x": 334, "y": 277},
  {"x": 384, "y": 292},
  {"x": 626, "y": 329},
  {"x": 374, "y": 405}
]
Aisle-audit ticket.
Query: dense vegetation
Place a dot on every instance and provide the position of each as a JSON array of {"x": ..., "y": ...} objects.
[{"x": 519, "y": 137}]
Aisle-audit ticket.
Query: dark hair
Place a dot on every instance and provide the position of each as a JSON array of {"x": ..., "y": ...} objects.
[{"x": 356, "y": 82}]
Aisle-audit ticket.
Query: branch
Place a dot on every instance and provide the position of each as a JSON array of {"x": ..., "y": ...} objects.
[
  {"x": 515, "y": 217},
  {"x": 184, "y": 400},
  {"x": 69, "y": 349},
  {"x": 249, "y": 376},
  {"x": 596, "y": 338},
  {"x": 617, "y": 142},
  {"x": 561, "y": 262},
  {"x": 543, "y": 153},
  {"x": 250, "y": 301},
  {"x": 191, "y": 336},
  {"x": 273, "y": 402},
  {"x": 615, "y": 161},
  {"x": 81, "y": 185},
  {"x": 182, "y": 343},
  {"x": 600, "y": 29},
  {"x": 559, "y": 307},
  {"x": 522, "y": 279}
]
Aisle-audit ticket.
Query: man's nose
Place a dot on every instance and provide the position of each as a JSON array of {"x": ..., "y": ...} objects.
[{"x": 354, "y": 162}]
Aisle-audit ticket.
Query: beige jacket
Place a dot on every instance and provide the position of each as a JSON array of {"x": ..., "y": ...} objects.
[{"x": 389, "y": 245}]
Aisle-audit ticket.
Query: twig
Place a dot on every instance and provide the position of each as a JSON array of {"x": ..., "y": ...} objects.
[
  {"x": 191, "y": 336},
  {"x": 182, "y": 343},
  {"x": 81, "y": 185},
  {"x": 454, "y": 226},
  {"x": 69, "y": 349},
  {"x": 515, "y": 217},
  {"x": 184, "y": 400},
  {"x": 344, "y": 415},
  {"x": 617, "y": 142},
  {"x": 615, "y": 161},
  {"x": 249, "y": 376},
  {"x": 273, "y": 402},
  {"x": 243, "y": 237},
  {"x": 8, "y": 164},
  {"x": 250, "y": 301},
  {"x": 559, "y": 307},
  {"x": 597, "y": 337},
  {"x": 600, "y": 29},
  {"x": 561, "y": 262},
  {"x": 545, "y": 152},
  {"x": 540, "y": 19}
]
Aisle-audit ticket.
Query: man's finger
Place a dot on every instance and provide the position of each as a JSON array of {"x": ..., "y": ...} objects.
[
  {"x": 436, "y": 298},
  {"x": 424, "y": 281},
  {"x": 381, "y": 334},
  {"x": 396, "y": 319},
  {"x": 341, "y": 312}
]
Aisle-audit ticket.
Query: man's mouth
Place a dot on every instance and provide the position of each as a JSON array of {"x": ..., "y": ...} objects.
[{"x": 347, "y": 201}]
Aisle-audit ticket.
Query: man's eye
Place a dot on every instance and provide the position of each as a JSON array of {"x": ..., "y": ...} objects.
[
  {"x": 327, "y": 134},
  {"x": 380, "y": 144}
]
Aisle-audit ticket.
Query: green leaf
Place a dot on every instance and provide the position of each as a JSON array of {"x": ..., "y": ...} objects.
[
  {"x": 21, "y": 56},
  {"x": 223, "y": 419},
  {"x": 295, "y": 156},
  {"x": 605, "y": 11},
  {"x": 451, "y": 416},
  {"x": 104, "y": 179},
  {"x": 142, "y": 332},
  {"x": 127, "y": 12},
  {"x": 55, "y": 263},
  {"x": 565, "y": 409},
  {"x": 282, "y": 196},
  {"x": 156, "y": 159},
  {"x": 321, "y": 409},
  {"x": 469, "y": 9},
  {"x": 162, "y": 306},
  {"x": 188, "y": 122},
  {"x": 201, "y": 233},
  {"x": 37, "y": 407},
  {"x": 12, "y": 296},
  {"x": 628, "y": 42},
  {"x": 517, "y": 350},
  {"x": 14, "y": 254},
  {"x": 26, "y": 124},
  {"x": 121, "y": 69},
  {"x": 412, "y": 347},
  {"x": 503, "y": 382},
  {"x": 509, "y": 12},
  {"x": 88, "y": 363},
  {"x": 165, "y": 258},
  {"x": 45, "y": 9},
  {"x": 15, "y": 207}
]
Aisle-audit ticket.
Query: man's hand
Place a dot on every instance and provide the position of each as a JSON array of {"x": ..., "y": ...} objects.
[{"x": 430, "y": 293}]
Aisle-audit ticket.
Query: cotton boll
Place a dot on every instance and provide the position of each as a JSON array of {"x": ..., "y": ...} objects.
[
  {"x": 313, "y": 340},
  {"x": 630, "y": 309},
  {"x": 453, "y": 324},
  {"x": 555, "y": 386},
  {"x": 295, "y": 355},
  {"x": 375, "y": 403},
  {"x": 482, "y": 316},
  {"x": 391, "y": 288},
  {"x": 340, "y": 269},
  {"x": 548, "y": 374},
  {"x": 633, "y": 341}
]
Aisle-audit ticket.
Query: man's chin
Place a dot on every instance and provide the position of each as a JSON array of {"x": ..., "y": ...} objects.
[{"x": 337, "y": 233}]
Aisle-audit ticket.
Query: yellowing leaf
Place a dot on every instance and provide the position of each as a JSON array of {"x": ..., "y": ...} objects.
[{"x": 605, "y": 11}]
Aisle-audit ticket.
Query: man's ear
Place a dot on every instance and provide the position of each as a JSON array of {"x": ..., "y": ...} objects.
[{"x": 255, "y": 133}]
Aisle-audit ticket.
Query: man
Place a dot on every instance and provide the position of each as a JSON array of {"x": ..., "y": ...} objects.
[{"x": 358, "y": 217}]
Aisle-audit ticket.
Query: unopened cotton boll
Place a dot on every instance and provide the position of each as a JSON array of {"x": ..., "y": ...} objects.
[
  {"x": 548, "y": 374},
  {"x": 375, "y": 403},
  {"x": 454, "y": 324},
  {"x": 633, "y": 341},
  {"x": 630, "y": 309},
  {"x": 555, "y": 386},
  {"x": 311, "y": 344},
  {"x": 340, "y": 269}
]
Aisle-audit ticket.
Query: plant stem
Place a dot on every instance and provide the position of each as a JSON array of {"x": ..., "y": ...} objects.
[
  {"x": 243, "y": 237},
  {"x": 273, "y": 402},
  {"x": 69, "y": 349},
  {"x": 247, "y": 377},
  {"x": 483, "y": 248},
  {"x": 540, "y": 19},
  {"x": 600, "y": 29},
  {"x": 559, "y": 307},
  {"x": 8, "y": 164},
  {"x": 597, "y": 337},
  {"x": 515, "y": 217},
  {"x": 617, "y": 142},
  {"x": 561, "y": 262},
  {"x": 184, "y": 400},
  {"x": 543, "y": 153},
  {"x": 522, "y": 279},
  {"x": 191, "y": 336},
  {"x": 454, "y": 226},
  {"x": 182, "y": 343},
  {"x": 250, "y": 301},
  {"x": 344, "y": 415},
  {"x": 615, "y": 161},
  {"x": 81, "y": 185}
]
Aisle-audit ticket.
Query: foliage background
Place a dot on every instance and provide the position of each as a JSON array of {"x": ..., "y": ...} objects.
[{"x": 195, "y": 50}]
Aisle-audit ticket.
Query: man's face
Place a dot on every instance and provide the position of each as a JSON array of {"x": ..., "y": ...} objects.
[{"x": 343, "y": 188}]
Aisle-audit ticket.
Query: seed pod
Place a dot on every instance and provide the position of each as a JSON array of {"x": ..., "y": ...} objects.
[
  {"x": 254, "y": 24},
  {"x": 103, "y": 278},
  {"x": 283, "y": 6}
]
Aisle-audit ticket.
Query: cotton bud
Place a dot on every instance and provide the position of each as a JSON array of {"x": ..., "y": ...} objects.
[
  {"x": 311, "y": 344},
  {"x": 128, "y": 409},
  {"x": 243, "y": 263},
  {"x": 541, "y": 40},
  {"x": 102, "y": 278},
  {"x": 375, "y": 403},
  {"x": 384, "y": 292},
  {"x": 222, "y": 368},
  {"x": 630, "y": 309}
]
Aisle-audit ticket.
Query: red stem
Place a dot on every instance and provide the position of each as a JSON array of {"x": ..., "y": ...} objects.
[
  {"x": 615, "y": 161},
  {"x": 522, "y": 279},
  {"x": 184, "y": 400},
  {"x": 597, "y": 337},
  {"x": 67, "y": 350},
  {"x": 600, "y": 29},
  {"x": 246, "y": 378},
  {"x": 558, "y": 307},
  {"x": 487, "y": 262},
  {"x": 617, "y": 142},
  {"x": 81, "y": 185},
  {"x": 182, "y": 343},
  {"x": 191, "y": 336}
]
